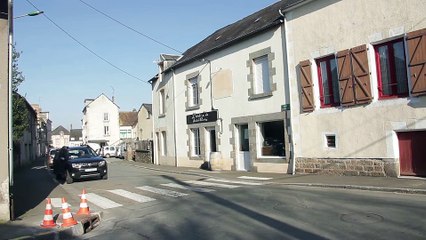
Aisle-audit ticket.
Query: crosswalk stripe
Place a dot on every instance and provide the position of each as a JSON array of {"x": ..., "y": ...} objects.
[
  {"x": 133, "y": 196},
  {"x": 194, "y": 189},
  {"x": 236, "y": 182},
  {"x": 255, "y": 178},
  {"x": 202, "y": 183},
  {"x": 101, "y": 202},
  {"x": 162, "y": 191}
]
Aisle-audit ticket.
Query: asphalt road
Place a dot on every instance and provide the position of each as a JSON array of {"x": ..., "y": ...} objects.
[{"x": 139, "y": 203}]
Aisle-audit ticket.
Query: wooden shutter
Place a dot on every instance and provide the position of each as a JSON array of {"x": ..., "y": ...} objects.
[
  {"x": 416, "y": 42},
  {"x": 307, "y": 94},
  {"x": 347, "y": 95},
  {"x": 361, "y": 74}
]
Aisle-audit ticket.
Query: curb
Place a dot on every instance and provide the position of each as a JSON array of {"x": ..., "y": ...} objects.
[{"x": 358, "y": 187}]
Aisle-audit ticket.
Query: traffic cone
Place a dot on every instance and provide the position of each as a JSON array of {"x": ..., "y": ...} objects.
[
  {"x": 48, "y": 221},
  {"x": 84, "y": 208},
  {"x": 67, "y": 218}
]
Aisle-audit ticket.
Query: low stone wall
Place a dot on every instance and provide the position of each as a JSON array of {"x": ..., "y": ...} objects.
[
  {"x": 348, "y": 167},
  {"x": 143, "y": 156}
]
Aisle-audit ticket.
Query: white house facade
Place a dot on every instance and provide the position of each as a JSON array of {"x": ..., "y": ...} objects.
[
  {"x": 100, "y": 123},
  {"x": 357, "y": 72},
  {"x": 224, "y": 98}
]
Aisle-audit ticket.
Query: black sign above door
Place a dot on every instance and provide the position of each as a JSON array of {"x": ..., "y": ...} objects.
[{"x": 201, "y": 117}]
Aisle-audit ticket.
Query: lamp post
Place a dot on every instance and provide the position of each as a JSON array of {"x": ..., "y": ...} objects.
[{"x": 10, "y": 94}]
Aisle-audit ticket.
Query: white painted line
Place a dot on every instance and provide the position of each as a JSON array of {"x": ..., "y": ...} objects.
[
  {"x": 236, "y": 182},
  {"x": 101, "y": 202},
  {"x": 133, "y": 196},
  {"x": 202, "y": 183},
  {"x": 255, "y": 178},
  {"x": 194, "y": 189},
  {"x": 57, "y": 202},
  {"x": 162, "y": 191}
]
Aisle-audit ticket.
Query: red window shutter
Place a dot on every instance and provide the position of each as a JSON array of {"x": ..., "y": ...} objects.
[
  {"x": 307, "y": 95},
  {"x": 347, "y": 95},
  {"x": 361, "y": 74},
  {"x": 416, "y": 42}
]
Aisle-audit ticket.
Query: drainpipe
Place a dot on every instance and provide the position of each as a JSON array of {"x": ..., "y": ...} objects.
[
  {"x": 10, "y": 129},
  {"x": 288, "y": 99},
  {"x": 174, "y": 119}
]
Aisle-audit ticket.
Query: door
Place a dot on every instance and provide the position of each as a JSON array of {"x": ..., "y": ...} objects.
[
  {"x": 243, "y": 156},
  {"x": 412, "y": 153}
]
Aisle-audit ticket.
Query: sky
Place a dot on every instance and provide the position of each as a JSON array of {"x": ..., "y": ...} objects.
[{"x": 78, "y": 49}]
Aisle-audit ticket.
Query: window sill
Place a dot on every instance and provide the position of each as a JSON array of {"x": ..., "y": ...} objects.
[
  {"x": 161, "y": 115},
  {"x": 193, "y": 108},
  {"x": 260, "y": 96}
]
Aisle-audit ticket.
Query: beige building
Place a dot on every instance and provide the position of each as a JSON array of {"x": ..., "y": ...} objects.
[
  {"x": 357, "y": 80},
  {"x": 60, "y": 137},
  {"x": 144, "y": 125}
]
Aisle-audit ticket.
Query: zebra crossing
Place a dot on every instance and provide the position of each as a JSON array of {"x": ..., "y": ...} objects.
[{"x": 114, "y": 198}]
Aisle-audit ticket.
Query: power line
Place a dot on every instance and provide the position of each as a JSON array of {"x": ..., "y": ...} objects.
[
  {"x": 87, "y": 48},
  {"x": 130, "y": 28}
]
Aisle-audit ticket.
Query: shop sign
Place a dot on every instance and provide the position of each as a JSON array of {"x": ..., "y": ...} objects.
[{"x": 201, "y": 117}]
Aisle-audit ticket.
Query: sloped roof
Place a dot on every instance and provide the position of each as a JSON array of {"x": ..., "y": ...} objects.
[
  {"x": 128, "y": 118},
  {"x": 60, "y": 129},
  {"x": 148, "y": 107},
  {"x": 256, "y": 23},
  {"x": 93, "y": 100},
  {"x": 76, "y": 133}
]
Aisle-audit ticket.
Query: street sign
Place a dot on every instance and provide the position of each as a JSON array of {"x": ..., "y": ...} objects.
[{"x": 285, "y": 107}]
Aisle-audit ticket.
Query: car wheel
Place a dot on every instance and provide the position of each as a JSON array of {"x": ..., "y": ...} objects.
[
  {"x": 107, "y": 155},
  {"x": 68, "y": 178},
  {"x": 104, "y": 177}
]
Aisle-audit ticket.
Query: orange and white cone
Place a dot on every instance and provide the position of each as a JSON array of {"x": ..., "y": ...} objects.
[
  {"x": 84, "y": 208},
  {"x": 67, "y": 218},
  {"x": 48, "y": 221}
]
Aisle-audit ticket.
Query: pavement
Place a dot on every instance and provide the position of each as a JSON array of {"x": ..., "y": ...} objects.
[{"x": 28, "y": 225}]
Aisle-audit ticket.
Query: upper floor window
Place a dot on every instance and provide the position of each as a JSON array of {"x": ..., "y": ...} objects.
[
  {"x": 106, "y": 130},
  {"x": 106, "y": 117},
  {"x": 261, "y": 82},
  {"x": 391, "y": 69},
  {"x": 328, "y": 81},
  {"x": 162, "y": 102},
  {"x": 193, "y": 92}
]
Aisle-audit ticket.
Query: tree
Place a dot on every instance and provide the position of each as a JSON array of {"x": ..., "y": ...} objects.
[
  {"x": 17, "y": 76},
  {"x": 19, "y": 109}
]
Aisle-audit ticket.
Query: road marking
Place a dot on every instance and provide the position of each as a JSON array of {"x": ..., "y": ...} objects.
[
  {"x": 236, "y": 182},
  {"x": 255, "y": 178},
  {"x": 101, "y": 202},
  {"x": 133, "y": 196},
  {"x": 194, "y": 189},
  {"x": 162, "y": 191},
  {"x": 202, "y": 183}
]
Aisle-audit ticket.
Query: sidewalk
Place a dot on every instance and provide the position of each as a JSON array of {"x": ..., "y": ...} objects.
[{"x": 388, "y": 184}]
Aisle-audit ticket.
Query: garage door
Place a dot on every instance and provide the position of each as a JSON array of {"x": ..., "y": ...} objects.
[{"x": 412, "y": 153}]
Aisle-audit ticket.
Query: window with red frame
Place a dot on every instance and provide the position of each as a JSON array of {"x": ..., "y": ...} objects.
[
  {"x": 328, "y": 81},
  {"x": 391, "y": 69}
]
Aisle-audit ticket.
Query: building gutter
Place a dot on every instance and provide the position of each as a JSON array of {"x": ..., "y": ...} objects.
[
  {"x": 10, "y": 94},
  {"x": 174, "y": 119}
]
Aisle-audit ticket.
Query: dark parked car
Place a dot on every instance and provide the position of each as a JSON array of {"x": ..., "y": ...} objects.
[{"x": 72, "y": 163}]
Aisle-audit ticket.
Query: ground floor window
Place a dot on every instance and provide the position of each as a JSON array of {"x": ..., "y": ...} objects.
[
  {"x": 163, "y": 143},
  {"x": 271, "y": 136},
  {"x": 195, "y": 142}
]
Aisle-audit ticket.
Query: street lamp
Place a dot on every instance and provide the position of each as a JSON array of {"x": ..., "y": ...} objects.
[{"x": 31, "y": 14}]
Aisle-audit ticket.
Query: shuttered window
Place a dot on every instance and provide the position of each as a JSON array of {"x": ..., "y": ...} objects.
[
  {"x": 354, "y": 76},
  {"x": 307, "y": 96},
  {"x": 261, "y": 75},
  {"x": 391, "y": 69},
  {"x": 416, "y": 43}
]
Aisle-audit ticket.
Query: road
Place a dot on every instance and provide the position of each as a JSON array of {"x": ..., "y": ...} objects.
[{"x": 139, "y": 203}]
